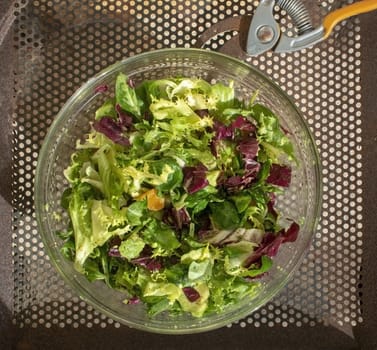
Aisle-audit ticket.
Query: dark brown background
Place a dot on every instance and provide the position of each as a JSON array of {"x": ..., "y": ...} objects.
[{"x": 306, "y": 337}]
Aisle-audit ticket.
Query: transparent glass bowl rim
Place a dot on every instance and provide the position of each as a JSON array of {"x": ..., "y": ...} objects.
[{"x": 58, "y": 123}]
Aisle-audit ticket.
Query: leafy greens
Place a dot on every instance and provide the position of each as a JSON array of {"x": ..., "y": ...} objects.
[{"x": 171, "y": 196}]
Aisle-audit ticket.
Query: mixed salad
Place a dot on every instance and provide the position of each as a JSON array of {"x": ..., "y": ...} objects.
[{"x": 172, "y": 195}]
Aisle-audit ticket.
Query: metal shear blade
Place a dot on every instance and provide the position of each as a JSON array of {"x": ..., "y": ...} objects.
[{"x": 264, "y": 32}]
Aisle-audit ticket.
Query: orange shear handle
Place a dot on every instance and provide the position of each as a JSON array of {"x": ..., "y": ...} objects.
[{"x": 333, "y": 18}]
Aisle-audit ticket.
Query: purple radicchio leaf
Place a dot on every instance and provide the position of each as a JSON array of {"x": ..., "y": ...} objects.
[
  {"x": 111, "y": 129},
  {"x": 114, "y": 244},
  {"x": 252, "y": 168},
  {"x": 272, "y": 196},
  {"x": 182, "y": 217},
  {"x": 280, "y": 175},
  {"x": 291, "y": 234},
  {"x": 222, "y": 131},
  {"x": 131, "y": 83},
  {"x": 194, "y": 178},
  {"x": 234, "y": 182},
  {"x": 204, "y": 234},
  {"x": 125, "y": 120},
  {"x": 114, "y": 252},
  {"x": 100, "y": 89},
  {"x": 176, "y": 217},
  {"x": 243, "y": 124},
  {"x": 271, "y": 243},
  {"x": 269, "y": 246},
  {"x": 151, "y": 264},
  {"x": 238, "y": 182},
  {"x": 133, "y": 300},
  {"x": 285, "y": 131},
  {"x": 146, "y": 260},
  {"x": 191, "y": 294},
  {"x": 249, "y": 149}
]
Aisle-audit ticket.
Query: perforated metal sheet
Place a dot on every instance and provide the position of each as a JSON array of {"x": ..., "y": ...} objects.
[{"x": 61, "y": 44}]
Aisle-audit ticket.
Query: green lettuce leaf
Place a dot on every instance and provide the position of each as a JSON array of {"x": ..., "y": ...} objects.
[
  {"x": 252, "y": 271},
  {"x": 200, "y": 270},
  {"x": 224, "y": 215},
  {"x": 198, "y": 307},
  {"x": 236, "y": 254},
  {"x": 170, "y": 290},
  {"x": 200, "y": 198},
  {"x": 136, "y": 213},
  {"x": 161, "y": 237},
  {"x": 271, "y": 136},
  {"x": 73, "y": 172},
  {"x": 179, "y": 113},
  {"x": 92, "y": 271},
  {"x": 241, "y": 200},
  {"x": 79, "y": 208},
  {"x": 126, "y": 96},
  {"x": 109, "y": 174},
  {"x": 199, "y": 254},
  {"x": 132, "y": 246},
  {"x": 221, "y": 97},
  {"x": 91, "y": 176},
  {"x": 94, "y": 223},
  {"x": 170, "y": 173},
  {"x": 157, "y": 89},
  {"x": 107, "y": 110}
]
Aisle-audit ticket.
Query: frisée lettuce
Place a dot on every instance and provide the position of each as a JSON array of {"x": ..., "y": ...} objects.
[{"x": 171, "y": 195}]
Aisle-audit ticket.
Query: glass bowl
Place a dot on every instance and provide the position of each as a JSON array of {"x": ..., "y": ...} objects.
[{"x": 301, "y": 202}]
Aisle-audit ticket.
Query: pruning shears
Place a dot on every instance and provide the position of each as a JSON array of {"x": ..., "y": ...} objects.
[{"x": 264, "y": 33}]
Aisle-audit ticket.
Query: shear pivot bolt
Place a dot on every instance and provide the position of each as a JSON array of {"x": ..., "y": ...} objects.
[{"x": 265, "y": 34}]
